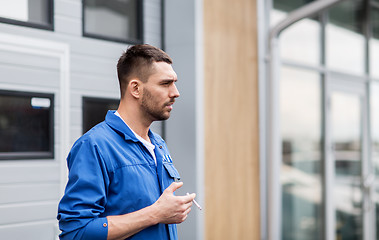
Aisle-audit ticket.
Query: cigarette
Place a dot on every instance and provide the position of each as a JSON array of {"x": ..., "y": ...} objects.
[{"x": 194, "y": 201}]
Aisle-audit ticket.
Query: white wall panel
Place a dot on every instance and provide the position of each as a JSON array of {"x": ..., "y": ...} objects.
[
  {"x": 9, "y": 57},
  {"x": 68, "y": 25},
  {"x": 22, "y": 75},
  {"x": 37, "y": 231},
  {"x": 29, "y": 171},
  {"x": 152, "y": 28},
  {"x": 94, "y": 66},
  {"x": 96, "y": 83},
  {"x": 69, "y": 8},
  {"x": 21, "y": 213},
  {"x": 18, "y": 193}
]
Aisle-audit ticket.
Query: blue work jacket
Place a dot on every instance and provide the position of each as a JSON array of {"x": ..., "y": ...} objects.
[{"x": 112, "y": 173}]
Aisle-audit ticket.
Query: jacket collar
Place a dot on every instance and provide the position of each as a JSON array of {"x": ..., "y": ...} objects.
[{"x": 119, "y": 126}]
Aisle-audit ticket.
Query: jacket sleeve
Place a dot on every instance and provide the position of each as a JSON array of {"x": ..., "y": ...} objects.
[{"x": 85, "y": 196}]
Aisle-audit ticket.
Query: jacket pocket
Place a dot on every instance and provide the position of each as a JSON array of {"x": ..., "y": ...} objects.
[{"x": 171, "y": 170}]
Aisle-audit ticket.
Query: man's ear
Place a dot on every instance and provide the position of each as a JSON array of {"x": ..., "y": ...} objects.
[{"x": 134, "y": 88}]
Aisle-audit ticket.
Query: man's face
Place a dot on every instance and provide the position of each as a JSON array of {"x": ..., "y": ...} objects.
[{"x": 159, "y": 92}]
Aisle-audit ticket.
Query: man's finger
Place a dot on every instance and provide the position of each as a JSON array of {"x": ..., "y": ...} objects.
[
  {"x": 191, "y": 196},
  {"x": 174, "y": 186}
]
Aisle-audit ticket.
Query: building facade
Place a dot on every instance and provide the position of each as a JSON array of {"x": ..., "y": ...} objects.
[
  {"x": 57, "y": 70},
  {"x": 276, "y": 128}
]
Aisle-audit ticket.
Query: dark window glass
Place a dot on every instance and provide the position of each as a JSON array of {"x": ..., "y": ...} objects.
[
  {"x": 288, "y": 6},
  {"x": 26, "y": 125},
  {"x": 117, "y": 20},
  {"x": 374, "y": 44},
  {"x": 375, "y": 22},
  {"x": 348, "y": 15},
  {"x": 33, "y": 13},
  {"x": 95, "y": 109}
]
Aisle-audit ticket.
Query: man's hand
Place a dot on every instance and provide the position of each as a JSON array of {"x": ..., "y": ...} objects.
[
  {"x": 168, "y": 209},
  {"x": 173, "y": 209}
]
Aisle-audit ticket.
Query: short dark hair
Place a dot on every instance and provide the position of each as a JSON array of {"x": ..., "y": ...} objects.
[{"x": 137, "y": 62}]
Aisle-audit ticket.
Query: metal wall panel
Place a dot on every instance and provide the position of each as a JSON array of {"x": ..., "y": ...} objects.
[
  {"x": 181, "y": 130},
  {"x": 36, "y": 230},
  {"x": 27, "y": 212}
]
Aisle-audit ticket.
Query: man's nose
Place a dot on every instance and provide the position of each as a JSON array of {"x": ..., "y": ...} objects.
[{"x": 174, "y": 92}]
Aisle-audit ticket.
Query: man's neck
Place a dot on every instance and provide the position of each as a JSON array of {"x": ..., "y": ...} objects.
[{"x": 135, "y": 123}]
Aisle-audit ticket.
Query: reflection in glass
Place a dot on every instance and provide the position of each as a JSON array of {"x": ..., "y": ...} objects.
[
  {"x": 33, "y": 11},
  {"x": 300, "y": 173},
  {"x": 346, "y": 139},
  {"x": 95, "y": 109},
  {"x": 344, "y": 39},
  {"x": 288, "y": 6},
  {"x": 15, "y": 9},
  {"x": 117, "y": 19},
  {"x": 375, "y": 144},
  {"x": 301, "y": 42},
  {"x": 374, "y": 43}
]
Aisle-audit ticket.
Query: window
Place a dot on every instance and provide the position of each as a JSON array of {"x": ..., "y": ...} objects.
[
  {"x": 95, "y": 109},
  {"x": 115, "y": 20},
  {"x": 26, "y": 125},
  {"x": 301, "y": 169},
  {"x": 32, "y": 13},
  {"x": 324, "y": 122},
  {"x": 344, "y": 31},
  {"x": 305, "y": 49}
]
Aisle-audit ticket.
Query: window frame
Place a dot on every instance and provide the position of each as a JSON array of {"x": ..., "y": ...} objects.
[
  {"x": 48, "y": 155},
  {"x": 49, "y": 26},
  {"x": 140, "y": 28}
]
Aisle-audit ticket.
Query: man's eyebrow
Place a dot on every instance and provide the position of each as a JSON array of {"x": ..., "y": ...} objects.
[{"x": 169, "y": 80}]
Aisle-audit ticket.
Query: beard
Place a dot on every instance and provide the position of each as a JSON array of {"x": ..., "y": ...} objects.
[{"x": 152, "y": 109}]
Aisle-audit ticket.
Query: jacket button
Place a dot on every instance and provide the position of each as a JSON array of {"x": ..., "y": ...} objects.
[
  {"x": 105, "y": 224},
  {"x": 160, "y": 147}
]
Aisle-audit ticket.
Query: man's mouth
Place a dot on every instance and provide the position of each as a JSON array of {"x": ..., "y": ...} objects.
[{"x": 169, "y": 105}]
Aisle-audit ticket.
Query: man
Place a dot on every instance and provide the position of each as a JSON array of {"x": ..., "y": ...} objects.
[{"x": 121, "y": 177}]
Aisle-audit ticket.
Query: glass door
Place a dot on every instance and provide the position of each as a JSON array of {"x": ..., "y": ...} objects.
[
  {"x": 347, "y": 157},
  {"x": 348, "y": 176}
]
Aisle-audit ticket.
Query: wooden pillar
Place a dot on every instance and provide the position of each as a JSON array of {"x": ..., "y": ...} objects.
[{"x": 231, "y": 120}]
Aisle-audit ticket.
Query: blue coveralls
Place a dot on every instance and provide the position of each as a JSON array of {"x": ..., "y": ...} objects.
[{"x": 112, "y": 173}]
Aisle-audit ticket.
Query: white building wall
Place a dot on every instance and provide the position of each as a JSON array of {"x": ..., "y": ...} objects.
[{"x": 30, "y": 189}]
